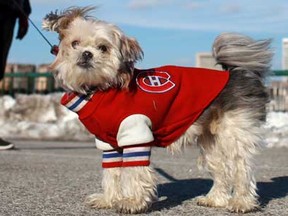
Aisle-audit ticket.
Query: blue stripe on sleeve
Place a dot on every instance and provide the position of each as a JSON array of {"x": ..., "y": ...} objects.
[
  {"x": 137, "y": 154},
  {"x": 112, "y": 155}
]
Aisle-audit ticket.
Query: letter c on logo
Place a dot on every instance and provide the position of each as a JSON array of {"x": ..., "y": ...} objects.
[{"x": 154, "y": 81}]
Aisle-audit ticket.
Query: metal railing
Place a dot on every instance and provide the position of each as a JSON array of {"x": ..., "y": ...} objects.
[
  {"x": 28, "y": 83},
  {"x": 280, "y": 72}
]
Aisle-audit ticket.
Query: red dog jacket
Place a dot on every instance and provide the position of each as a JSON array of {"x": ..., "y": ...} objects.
[{"x": 157, "y": 108}]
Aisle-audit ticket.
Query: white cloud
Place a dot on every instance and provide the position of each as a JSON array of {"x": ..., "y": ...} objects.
[
  {"x": 231, "y": 8},
  {"x": 194, "y": 5},
  {"x": 204, "y": 15},
  {"x": 241, "y": 16},
  {"x": 217, "y": 24},
  {"x": 147, "y": 4}
]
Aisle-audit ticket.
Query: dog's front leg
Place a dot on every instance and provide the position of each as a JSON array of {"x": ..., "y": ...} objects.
[
  {"x": 138, "y": 181},
  {"x": 138, "y": 190},
  {"x": 111, "y": 190},
  {"x": 111, "y": 181}
]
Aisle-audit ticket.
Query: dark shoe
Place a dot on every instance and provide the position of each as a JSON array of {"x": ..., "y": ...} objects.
[{"x": 4, "y": 145}]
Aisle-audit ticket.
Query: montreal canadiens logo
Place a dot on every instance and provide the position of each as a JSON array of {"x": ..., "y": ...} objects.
[{"x": 154, "y": 81}]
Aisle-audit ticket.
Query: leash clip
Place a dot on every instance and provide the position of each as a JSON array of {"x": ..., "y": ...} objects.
[{"x": 54, "y": 50}]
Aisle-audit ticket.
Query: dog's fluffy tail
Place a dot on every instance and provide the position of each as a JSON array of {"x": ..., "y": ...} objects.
[{"x": 236, "y": 52}]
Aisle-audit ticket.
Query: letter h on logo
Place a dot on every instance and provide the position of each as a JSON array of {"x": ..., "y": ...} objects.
[{"x": 154, "y": 80}]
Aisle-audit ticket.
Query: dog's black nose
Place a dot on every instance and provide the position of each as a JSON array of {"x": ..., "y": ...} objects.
[{"x": 87, "y": 55}]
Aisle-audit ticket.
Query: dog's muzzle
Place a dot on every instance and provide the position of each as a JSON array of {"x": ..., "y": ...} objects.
[{"x": 85, "y": 59}]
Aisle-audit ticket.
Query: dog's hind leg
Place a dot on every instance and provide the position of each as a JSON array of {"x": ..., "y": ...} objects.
[
  {"x": 247, "y": 138},
  {"x": 244, "y": 197},
  {"x": 111, "y": 190},
  {"x": 229, "y": 162},
  {"x": 219, "y": 168},
  {"x": 214, "y": 159}
]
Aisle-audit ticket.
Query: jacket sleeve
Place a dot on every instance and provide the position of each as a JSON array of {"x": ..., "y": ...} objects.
[{"x": 135, "y": 130}]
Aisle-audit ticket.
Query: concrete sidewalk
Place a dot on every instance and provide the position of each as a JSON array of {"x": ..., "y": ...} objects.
[{"x": 53, "y": 178}]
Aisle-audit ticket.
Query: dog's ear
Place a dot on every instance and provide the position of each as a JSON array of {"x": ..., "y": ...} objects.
[
  {"x": 51, "y": 21},
  {"x": 58, "y": 22},
  {"x": 130, "y": 50}
]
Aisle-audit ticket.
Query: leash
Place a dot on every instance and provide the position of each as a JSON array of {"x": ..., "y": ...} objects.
[{"x": 54, "y": 48}]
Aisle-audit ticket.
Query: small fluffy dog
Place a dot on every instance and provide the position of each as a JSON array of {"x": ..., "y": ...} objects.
[{"x": 130, "y": 110}]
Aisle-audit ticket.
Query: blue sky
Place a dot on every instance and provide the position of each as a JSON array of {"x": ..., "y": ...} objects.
[{"x": 169, "y": 31}]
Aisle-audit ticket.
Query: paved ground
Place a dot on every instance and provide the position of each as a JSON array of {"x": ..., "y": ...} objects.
[{"x": 53, "y": 178}]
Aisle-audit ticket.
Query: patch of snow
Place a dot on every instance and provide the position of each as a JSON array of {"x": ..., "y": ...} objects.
[
  {"x": 277, "y": 129},
  {"x": 39, "y": 117}
]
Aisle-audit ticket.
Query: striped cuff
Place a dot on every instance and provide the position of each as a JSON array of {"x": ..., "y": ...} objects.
[
  {"x": 136, "y": 156},
  {"x": 74, "y": 102},
  {"x": 112, "y": 159}
]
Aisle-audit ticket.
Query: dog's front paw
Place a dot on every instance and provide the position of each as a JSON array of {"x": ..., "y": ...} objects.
[
  {"x": 211, "y": 202},
  {"x": 98, "y": 201},
  {"x": 242, "y": 205},
  {"x": 131, "y": 206}
]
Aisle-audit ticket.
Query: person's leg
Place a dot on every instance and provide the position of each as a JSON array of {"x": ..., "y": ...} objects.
[
  {"x": 7, "y": 25},
  {"x": 6, "y": 36}
]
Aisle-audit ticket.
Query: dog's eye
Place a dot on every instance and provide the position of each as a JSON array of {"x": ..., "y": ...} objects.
[
  {"x": 75, "y": 43},
  {"x": 103, "y": 48}
]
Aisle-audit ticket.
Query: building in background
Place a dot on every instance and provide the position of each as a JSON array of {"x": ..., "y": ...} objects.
[
  {"x": 19, "y": 82},
  {"x": 28, "y": 78},
  {"x": 285, "y": 54},
  {"x": 206, "y": 60}
]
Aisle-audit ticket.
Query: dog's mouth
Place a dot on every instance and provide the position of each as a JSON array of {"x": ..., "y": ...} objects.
[
  {"x": 84, "y": 64},
  {"x": 85, "y": 60}
]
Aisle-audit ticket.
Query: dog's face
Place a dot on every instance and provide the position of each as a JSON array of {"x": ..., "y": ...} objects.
[{"x": 93, "y": 55}]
